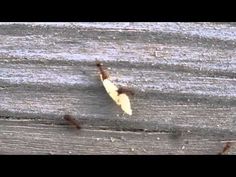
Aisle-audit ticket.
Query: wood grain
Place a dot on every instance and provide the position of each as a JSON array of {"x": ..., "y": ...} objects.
[{"x": 183, "y": 76}]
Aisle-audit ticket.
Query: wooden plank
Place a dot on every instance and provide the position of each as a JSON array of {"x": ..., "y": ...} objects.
[
  {"x": 32, "y": 137},
  {"x": 183, "y": 75}
]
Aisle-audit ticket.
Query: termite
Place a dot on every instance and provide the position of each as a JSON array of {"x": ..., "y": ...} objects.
[
  {"x": 226, "y": 148},
  {"x": 72, "y": 120}
]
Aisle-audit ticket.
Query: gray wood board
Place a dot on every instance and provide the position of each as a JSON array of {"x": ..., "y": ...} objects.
[{"x": 183, "y": 75}]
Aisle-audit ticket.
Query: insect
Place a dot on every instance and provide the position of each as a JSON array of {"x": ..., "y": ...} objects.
[
  {"x": 226, "y": 148},
  {"x": 72, "y": 120},
  {"x": 119, "y": 95}
]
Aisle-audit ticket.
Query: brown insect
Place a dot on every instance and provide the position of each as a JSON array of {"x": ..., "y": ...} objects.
[
  {"x": 226, "y": 148},
  {"x": 72, "y": 120},
  {"x": 125, "y": 90},
  {"x": 104, "y": 73}
]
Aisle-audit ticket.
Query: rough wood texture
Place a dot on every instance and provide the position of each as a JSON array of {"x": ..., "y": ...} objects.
[{"x": 183, "y": 75}]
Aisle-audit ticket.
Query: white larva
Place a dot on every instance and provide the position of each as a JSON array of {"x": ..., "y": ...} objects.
[
  {"x": 110, "y": 88},
  {"x": 124, "y": 102}
]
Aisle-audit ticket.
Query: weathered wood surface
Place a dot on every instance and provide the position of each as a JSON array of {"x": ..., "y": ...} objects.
[{"x": 183, "y": 74}]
